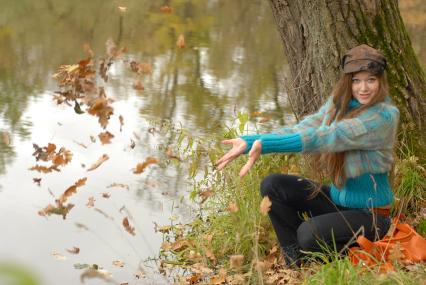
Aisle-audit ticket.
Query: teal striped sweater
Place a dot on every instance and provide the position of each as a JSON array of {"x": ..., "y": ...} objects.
[{"x": 367, "y": 139}]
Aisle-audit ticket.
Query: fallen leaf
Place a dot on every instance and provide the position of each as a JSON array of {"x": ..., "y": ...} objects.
[
  {"x": 106, "y": 195},
  {"x": 119, "y": 185},
  {"x": 59, "y": 210},
  {"x": 6, "y": 138},
  {"x": 104, "y": 214},
  {"x": 101, "y": 108},
  {"x": 121, "y": 119},
  {"x": 58, "y": 256},
  {"x": 181, "y": 41},
  {"x": 91, "y": 273},
  {"x": 91, "y": 202},
  {"x": 74, "y": 250},
  {"x": 140, "y": 274},
  {"x": 132, "y": 144},
  {"x": 233, "y": 207},
  {"x": 71, "y": 190},
  {"x": 101, "y": 160},
  {"x": 140, "y": 167},
  {"x": 105, "y": 137},
  {"x": 166, "y": 9},
  {"x": 37, "y": 180},
  {"x": 137, "y": 85},
  {"x": 265, "y": 205},
  {"x": 118, "y": 263},
  {"x": 236, "y": 261},
  {"x": 127, "y": 226}
]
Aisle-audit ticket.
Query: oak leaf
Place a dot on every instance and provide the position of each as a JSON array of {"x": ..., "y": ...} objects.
[
  {"x": 71, "y": 190},
  {"x": 127, "y": 227},
  {"x": 140, "y": 167},
  {"x": 101, "y": 160}
]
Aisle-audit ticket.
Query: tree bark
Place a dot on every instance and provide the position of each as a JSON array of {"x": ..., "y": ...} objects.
[{"x": 316, "y": 34}]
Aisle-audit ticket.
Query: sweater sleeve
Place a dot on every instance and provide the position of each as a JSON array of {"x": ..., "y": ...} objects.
[{"x": 371, "y": 130}]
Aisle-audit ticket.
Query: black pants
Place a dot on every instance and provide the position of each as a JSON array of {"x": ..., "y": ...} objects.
[{"x": 329, "y": 224}]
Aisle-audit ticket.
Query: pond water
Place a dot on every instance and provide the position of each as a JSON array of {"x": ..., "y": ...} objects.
[{"x": 223, "y": 68}]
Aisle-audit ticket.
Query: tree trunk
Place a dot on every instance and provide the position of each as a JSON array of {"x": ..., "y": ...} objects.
[{"x": 317, "y": 33}]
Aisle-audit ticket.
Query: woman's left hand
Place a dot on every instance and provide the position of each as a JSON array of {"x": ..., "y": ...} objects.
[{"x": 253, "y": 156}]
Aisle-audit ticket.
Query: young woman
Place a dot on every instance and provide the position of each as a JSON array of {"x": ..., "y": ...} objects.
[{"x": 354, "y": 135}]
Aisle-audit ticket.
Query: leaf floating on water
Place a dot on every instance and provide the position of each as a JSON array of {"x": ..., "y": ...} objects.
[
  {"x": 44, "y": 169},
  {"x": 101, "y": 160},
  {"x": 58, "y": 256},
  {"x": 118, "y": 263},
  {"x": 59, "y": 210},
  {"x": 121, "y": 119},
  {"x": 101, "y": 108},
  {"x": 106, "y": 195},
  {"x": 92, "y": 273},
  {"x": 74, "y": 250},
  {"x": 71, "y": 190},
  {"x": 77, "y": 108},
  {"x": 6, "y": 138},
  {"x": 127, "y": 227},
  {"x": 119, "y": 185},
  {"x": 105, "y": 137},
  {"x": 140, "y": 167},
  {"x": 137, "y": 85},
  {"x": 265, "y": 205},
  {"x": 91, "y": 202},
  {"x": 37, "y": 181},
  {"x": 181, "y": 41}
]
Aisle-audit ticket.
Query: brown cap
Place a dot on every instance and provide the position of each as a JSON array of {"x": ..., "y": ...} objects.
[{"x": 363, "y": 58}]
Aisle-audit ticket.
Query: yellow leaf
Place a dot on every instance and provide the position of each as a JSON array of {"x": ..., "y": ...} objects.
[{"x": 265, "y": 205}]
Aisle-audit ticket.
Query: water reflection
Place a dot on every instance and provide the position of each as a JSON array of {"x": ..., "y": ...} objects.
[{"x": 223, "y": 68}]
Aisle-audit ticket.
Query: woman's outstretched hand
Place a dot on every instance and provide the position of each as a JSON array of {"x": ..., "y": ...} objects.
[{"x": 238, "y": 148}]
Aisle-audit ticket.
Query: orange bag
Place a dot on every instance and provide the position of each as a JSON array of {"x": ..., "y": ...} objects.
[{"x": 403, "y": 244}]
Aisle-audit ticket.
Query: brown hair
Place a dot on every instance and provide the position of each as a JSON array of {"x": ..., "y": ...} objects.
[{"x": 333, "y": 162}]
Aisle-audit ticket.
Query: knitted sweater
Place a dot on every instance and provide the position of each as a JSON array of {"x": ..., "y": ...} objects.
[{"x": 367, "y": 140}]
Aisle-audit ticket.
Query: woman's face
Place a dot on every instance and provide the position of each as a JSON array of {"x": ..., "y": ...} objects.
[{"x": 364, "y": 86}]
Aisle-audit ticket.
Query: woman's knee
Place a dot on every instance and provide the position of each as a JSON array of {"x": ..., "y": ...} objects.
[
  {"x": 306, "y": 237},
  {"x": 270, "y": 183}
]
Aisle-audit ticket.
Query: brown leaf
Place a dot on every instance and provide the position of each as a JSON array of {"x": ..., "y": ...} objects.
[
  {"x": 37, "y": 180},
  {"x": 137, "y": 85},
  {"x": 118, "y": 263},
  {"x": 95, "y": 273},
  {"x": 101, "y": 108},
  {"x": 106, "y": 195},
  {"x": 44, "y": 169},
  {"x": 74, "y": 250},
  {"x": 140, "y": 167},
  {"x": 265, "y": 205},
  {"x": 166, "y": 9},
  {"x": 58, "y": 256},
  {"x": 71, "y": 190},
  {"x": 101, "y": 160},
  {"x": 119, "y": 185},
  {"x": 105, "y": 137},
  {"x": 6, "y": 138},
  {"x": 181, "y": 41},
  {"x": 236, "y": 261},
  {"x": 233, "y": 207},
  {"x": 121, "y": 119},
  {"x": 127, "y": 227},
  {"x": 60, "y": 210},
  {"x": 91, "y": 202}
]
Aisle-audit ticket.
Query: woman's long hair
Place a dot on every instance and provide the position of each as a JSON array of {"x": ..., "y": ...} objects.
[{"x": 333, "y": 162}]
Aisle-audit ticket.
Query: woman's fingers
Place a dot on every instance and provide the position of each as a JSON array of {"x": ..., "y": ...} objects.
[{"x": 254, "y": 154}]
